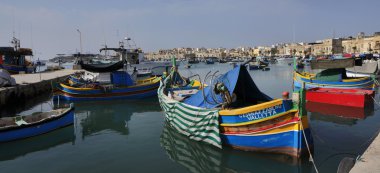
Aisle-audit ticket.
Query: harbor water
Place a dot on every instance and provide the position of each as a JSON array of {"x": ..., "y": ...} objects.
[{"x": 131, "y": 136}]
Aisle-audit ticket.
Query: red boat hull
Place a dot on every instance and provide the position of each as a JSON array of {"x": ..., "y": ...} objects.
[
  {"x": 345, "y": 97},
  {"x": 338, "y": 110}
]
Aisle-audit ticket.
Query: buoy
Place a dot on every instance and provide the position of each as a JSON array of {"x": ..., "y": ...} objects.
[{"x": 285, "y": 95}]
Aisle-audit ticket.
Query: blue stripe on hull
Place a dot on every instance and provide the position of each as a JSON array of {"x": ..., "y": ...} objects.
[
  {"x": 135, "y": 96},
  {"x": 280, "y": 141},
  {"x": 37, "y": 129},
  {"x": 17, "y": 69}
]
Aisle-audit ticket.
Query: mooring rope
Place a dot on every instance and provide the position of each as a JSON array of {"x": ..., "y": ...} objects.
[
  {"x": 375, "y": 101},
  {"x": 308, "y": 148}
]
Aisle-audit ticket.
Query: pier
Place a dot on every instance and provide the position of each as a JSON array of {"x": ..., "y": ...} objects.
[
  {"x": 31, "y": 85},
  {"x": 369, "y": 161}
]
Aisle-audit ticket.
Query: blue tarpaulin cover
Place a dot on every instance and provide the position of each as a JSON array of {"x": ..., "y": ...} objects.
[{"x": 237, "y": 81}]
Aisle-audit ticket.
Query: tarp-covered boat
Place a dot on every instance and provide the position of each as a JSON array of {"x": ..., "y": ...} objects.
[
  {"x": 98, "y": 68},
  {"x": 20, "y": 127},
  {"x": 232, "y": 111},
  {"x": 332, "y": 63},
  {"x": 6, "y": 79},
  {"x": 365, "y": 70}
]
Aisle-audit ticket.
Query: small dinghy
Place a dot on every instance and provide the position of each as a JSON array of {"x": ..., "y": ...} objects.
[{"x": 20, "y": 127}]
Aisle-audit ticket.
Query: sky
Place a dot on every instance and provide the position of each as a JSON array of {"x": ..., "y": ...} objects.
[{"x": 49, "y": 27}]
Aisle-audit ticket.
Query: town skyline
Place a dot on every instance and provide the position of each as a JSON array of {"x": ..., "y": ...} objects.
[{"x": 355, "y": 44}]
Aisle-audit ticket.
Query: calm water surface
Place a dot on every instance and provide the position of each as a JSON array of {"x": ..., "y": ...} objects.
[{"x": 131, "y": 136}]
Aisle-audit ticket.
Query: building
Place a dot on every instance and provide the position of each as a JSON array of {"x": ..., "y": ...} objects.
[{"x": 362, "y": 43}]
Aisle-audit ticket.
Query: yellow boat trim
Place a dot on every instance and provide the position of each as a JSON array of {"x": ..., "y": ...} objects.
[
  {"x": 87, "y": 89},
  {"x": 259, "y": 120},
  {"x": 355, "y": 79},
  {"x": 309, "y": 76},
  {"x": 295, "y": 126},
  {"x": 234, "y": 112}
]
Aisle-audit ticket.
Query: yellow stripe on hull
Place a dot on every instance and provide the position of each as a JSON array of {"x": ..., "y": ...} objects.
[
  {"x": 260, "y": 120},
  {"x": 89, "y": 89},
  {"x": 295, "y": 126},
  {"x": 234, "y": 112}
]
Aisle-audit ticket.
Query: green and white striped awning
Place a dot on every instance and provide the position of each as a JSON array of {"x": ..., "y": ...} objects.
[{"x": 197, "y": 123}]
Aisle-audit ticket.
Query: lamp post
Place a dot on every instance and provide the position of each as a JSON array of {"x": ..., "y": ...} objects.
[{"x": 80, "y": 40}]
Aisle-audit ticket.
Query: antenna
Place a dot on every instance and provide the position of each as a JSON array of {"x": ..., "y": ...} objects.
[{"x": 13, "y": 22}]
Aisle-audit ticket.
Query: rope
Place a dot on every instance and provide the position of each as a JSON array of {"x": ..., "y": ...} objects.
[
  {"x": 308, "y": 148},
  {"x": 375, "y": 101},
  {"x": 376, "y": 82}
]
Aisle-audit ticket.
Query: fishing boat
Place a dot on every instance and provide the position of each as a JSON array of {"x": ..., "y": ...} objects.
[
  {"x": 333, "y": 75},
  {"x": 122, "y": 86},
  {"x": 209, "y": 61},
  {"x": 233, "y": 112},
  {"x": 15, "y": 58},
  {"x": 20, "y": 127},
  {"x": 345, "y": 97},
  {"x": 366, "y": 69},
  {"x": 254, "y": 66}
]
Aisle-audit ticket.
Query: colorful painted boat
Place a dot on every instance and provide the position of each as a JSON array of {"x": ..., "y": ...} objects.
[
  {"x": 250, "y": 120},
  {"x": 14, "y": 128},
  {"x": 95, "y": 91},
  {"x": 198, "y": 157},
  {"x": 331, "y": 78},
  {"x": 345, "y": 97}
]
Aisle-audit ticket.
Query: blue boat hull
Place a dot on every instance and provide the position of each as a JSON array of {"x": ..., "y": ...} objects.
[
  {"x": 289, "y": 142},
  {"x": 26, "y": 131},
  {"x": 67, "y": 97},
  {"x": 18, "y": 68}
]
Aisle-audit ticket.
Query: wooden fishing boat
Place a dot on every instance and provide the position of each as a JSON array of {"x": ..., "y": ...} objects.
[
  {"x": 117, "y": 89},
  {"x": 345, "y": 97},
  {"x": 20, "y": 127},
  {"x": 233, "y": 112},
  {"x": 333, "y": 75},
  {"x": 331, "y": 78}
]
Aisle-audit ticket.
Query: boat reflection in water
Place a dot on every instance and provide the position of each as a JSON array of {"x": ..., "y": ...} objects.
[
  {"x": 94, "y": 117},
  {"x": 19, "y": 148},
  {"x": 201, "y": 157},
  {"x": 347, "y": 112}
]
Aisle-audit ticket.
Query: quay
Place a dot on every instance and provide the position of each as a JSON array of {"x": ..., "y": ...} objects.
[
  {"x": 369, "y": 161},
  {"x": 31, "y": 85}
]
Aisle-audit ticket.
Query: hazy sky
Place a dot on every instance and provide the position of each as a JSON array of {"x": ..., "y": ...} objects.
[{"x": 50, "y": 26}]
